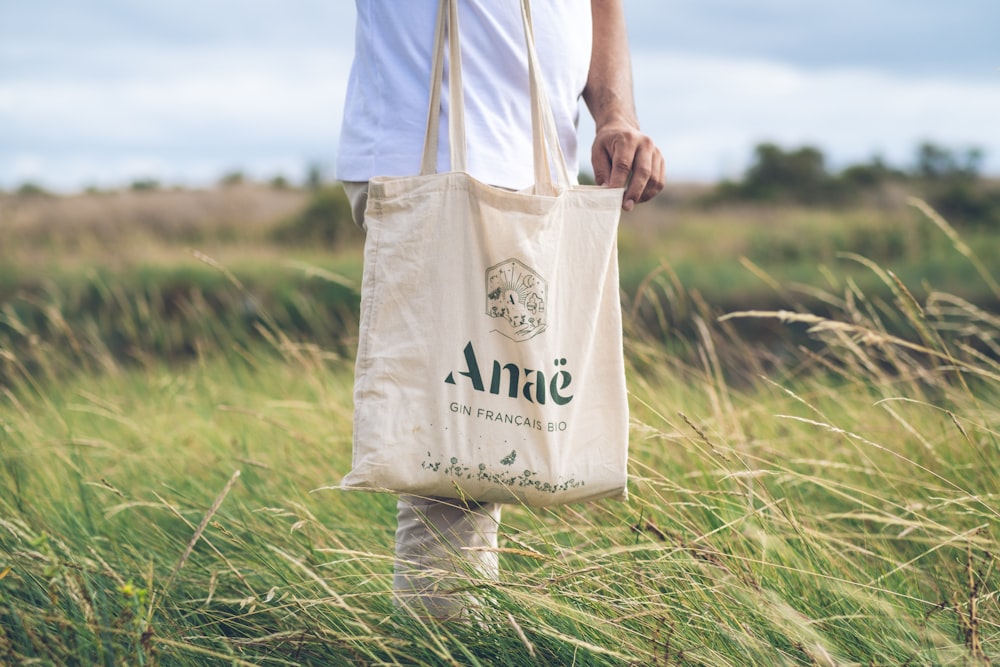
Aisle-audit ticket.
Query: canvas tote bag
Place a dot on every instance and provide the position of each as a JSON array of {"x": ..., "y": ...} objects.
[{"x": 490, "y": 362}]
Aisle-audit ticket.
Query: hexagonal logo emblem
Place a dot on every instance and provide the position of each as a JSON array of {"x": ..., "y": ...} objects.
[{"x": 516, "y": 299}]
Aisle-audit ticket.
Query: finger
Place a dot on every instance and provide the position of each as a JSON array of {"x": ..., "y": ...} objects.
[
  {"x": 642, "y": 170},
  {"x": 657, "y": 179},
  {"x": 601, "y": 163},
  {"x": 623, "y": 150}
]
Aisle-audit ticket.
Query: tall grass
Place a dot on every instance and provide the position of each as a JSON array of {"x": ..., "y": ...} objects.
[
  {"x": 61, "y": 325},
  {"x": 835, "y": 504}
]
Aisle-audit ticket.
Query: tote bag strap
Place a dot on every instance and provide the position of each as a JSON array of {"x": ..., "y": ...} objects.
[
  {"x": 447, "y": 29},
  {"x": 551, "y": 174},
  {"x": 545, "y": 137}
]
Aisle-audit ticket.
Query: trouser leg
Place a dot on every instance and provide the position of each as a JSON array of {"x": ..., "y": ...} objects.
[
  {"x": 357, "y": 195},
  {"x": 436, "y": 539},
  {"x": 439, "y": 543}
]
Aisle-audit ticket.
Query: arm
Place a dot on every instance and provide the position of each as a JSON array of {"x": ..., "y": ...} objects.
[{"x": 620, "y": 148}]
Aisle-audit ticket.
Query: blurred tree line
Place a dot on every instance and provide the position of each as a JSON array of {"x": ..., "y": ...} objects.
[{"x": 950, "y": 180}]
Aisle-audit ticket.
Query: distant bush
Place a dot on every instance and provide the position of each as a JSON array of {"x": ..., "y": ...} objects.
[
  {"x": 232, "y": 179},
  {"x": 868, "y": 175},
  {"x": 778, "y": 175},
  {"x": 965, "y": 202},
  {"x": 315, "y": 176},
  {"x": 948, "y": 179},
  {"x": 31, "y": 190},
  {"x": 326, "y": 219},
  {"x": 936, "y": 163},
  {"x": 145, "y": 185},
  {"x": 951, "y": 183}
]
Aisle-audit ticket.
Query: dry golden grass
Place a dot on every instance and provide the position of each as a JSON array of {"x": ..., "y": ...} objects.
[
  {"x": 134, "y": 224},
  {"x": 828, "y": 504}
]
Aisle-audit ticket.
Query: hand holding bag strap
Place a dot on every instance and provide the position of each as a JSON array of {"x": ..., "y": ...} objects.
[{"x": 547, "y": 151}]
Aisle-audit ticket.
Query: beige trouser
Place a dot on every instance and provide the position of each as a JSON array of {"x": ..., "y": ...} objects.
[
  {"x": 357, "y": 194},
  {"x": 439, "y": 542}
]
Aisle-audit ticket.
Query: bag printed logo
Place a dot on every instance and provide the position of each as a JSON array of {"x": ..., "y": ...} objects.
[
  {"x": 531, "y": 384},
  {"x": 516, "y": 299}
]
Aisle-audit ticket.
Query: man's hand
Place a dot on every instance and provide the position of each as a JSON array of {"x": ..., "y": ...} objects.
[{"x": 622, "y": 156}]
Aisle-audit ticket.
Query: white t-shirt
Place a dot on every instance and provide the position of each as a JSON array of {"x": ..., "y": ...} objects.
[{"x": 387, "y": 94}]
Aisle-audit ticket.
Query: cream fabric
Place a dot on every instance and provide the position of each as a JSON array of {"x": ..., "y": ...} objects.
[{"x": 490, "y": 356}]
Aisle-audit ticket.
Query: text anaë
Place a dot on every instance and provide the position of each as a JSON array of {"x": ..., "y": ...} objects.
[{"x": 531, "y": 384}]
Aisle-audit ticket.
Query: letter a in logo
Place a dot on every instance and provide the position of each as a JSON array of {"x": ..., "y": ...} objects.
[{"x": 516, "y": 299}]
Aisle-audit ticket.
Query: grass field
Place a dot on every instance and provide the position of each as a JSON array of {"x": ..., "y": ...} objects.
[{"x": 830, "y": 503}]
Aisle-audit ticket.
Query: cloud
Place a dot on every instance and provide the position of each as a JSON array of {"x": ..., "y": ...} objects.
[
  {"x": 708, "y": 112},
  {"x": 913, "y": 37},
  {"x": 172, "y": 112},
  {"x": 183, "y": 91}
]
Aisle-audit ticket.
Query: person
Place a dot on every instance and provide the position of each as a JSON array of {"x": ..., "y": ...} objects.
[{"x": 582, "y": 46}]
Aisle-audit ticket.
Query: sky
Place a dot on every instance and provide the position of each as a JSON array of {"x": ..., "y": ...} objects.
[{"x": 104, "y": 92}]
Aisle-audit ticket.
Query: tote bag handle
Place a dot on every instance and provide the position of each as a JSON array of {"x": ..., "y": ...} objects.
[
  {"x": 447, "y": 28},
  {"x": 550, "y": 170}
]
